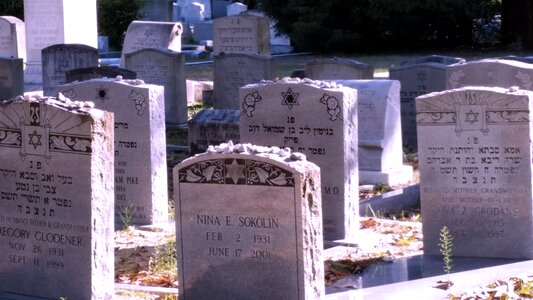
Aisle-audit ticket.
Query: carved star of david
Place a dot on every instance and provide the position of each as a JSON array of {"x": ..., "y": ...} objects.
[
  {"x": 290, "y": 98},
  {"x": 471, "y": 117},
  {"x": 234, "y": 171},
  {"x": 35, "y": 139},
  {"x": 101, "y": 93}
]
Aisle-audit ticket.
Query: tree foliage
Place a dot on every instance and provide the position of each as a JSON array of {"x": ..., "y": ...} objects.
[
  {"x": 114, "y": 17},
  {"x": 339, "y": 25},
  {"x": 13, "y": 8}
]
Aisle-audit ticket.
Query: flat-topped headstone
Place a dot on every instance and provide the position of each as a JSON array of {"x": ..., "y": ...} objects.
[
  {"x": 56, "y": 219},
  {"x": 231, "y": 71},
  {"x": 319, "y": 120},
  {"x": 241, "y": 34},
  {"x": 490, "y": 72},
  {"x": 213, "y": 127},
  {"x": 167, "y": 68},
  {"x": 83, "y": 74},
  {"x": 338, "y": 68},
  {"x": 195, "y": 91},
  {"x": 194, "y": 13},
  {"x": 11, "y": 77},
  {"x": 58, "y": 59},
  {"x": 379, "y": 130},
  {"x": 12, "y": 37},
  {"x": 474, "y": 149},
  {"x": 51, "y": 22},
  {"x": 417, "y": 77},
  {"x": 260, "y": 237},
  {"x": 140, "y": 147},
  {"x": 150, "y": 34}
]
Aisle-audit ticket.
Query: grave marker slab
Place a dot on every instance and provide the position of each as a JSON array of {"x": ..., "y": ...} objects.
[
  {"x": 260, "y": 237},
  {"x": 338, "y": 68},
  {"x": 11, "y": 77},
  {"x": 150, "y": 34},
  {"x": 213, "y": 127},
  {"x": 140, "y": 145},
  {"x": 12, "y": 37},
  {"x": 231, "y": 71},
  {"x": 167, "y": 68},
  {"x": 319, "y": 121},
  {"x": 417, "y": 77},
  {"x": 58, "y": 59},
  {"x": 379, "y": 130},
  {"x": 56, "y": 219},
  {"x": 241, "y": 34},
  {"x": 490, "y": 72},
  {"x": 474, "y": 147},
  {"x": 83, "y": 74}
]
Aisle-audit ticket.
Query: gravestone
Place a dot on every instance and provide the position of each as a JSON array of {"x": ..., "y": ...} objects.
[
  {"x": 236, "y": 8},
  {"x": 379, "y": 130},
  {"x": 195, "y": 91},
  {"x": 474, "y": 150},
  {"x": 140, "y": 147},
  {"x": 417, "y": 77},
  {"x": 51, "y": 22},
  {"x": 213, "y": 127},
  {"x": 83, "y": 74},
  {"x": 260, "y": 237},
  {"x": 149, "y": 34},
  {"x": 490, "y": 72},
  {"x": 181, "y": 6},
  {"x": 338, "y": 68},
  {"x": 220, "y": 8},
  {"x": 231, "y": 71},
  {"x": 319, "y": 120},
  {"x": 56, "y": 220},
  {"x": 11, "y": 77},
  {"x": 58, "y": 59},
  {"x": 12, "y": 37},
  {"x": 194, "y": 13},
  {"x": 243, "y": 34},
  {"x": 167, "y": 68}
]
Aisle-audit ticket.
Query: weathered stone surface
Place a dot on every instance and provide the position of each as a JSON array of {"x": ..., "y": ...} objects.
[
  {"x": 58, "y": 59},
  {"x": 379, "y": 130},
  {"x": 140, "y": 145},
  {"x": 260, "y": 237},
  {"x": 167, "y": 68},
  {"x": 11, "y": 77},
  {"x": 83, "y": 74},
  {"x": 338, "y": 68},
  {"x": 213, "y": 127},
  {"x": 475, "y": 171},
  {"x": 56, "y": 220},
  {"x": 319, "y": 120},
  {"x": 232, "y": 71},
  {"x": 244, "y": 34},
  {"x": 417, "y": 77},
  {"x": 12, "y": 37},
  {"x": 150, "y": 34}
]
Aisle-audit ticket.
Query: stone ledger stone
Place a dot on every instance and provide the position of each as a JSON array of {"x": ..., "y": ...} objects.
[
  {"x": 244, "y": 34},
  {"x": 490, "y": 72},
  {"x": 58, "y": 59},
  {"x": 417, "y": 77},
  {"x": 260, "y": 237},
  {"x": 12, "y": 37},
  {"x": 231, "y": 71},
  {"x": 475, "y": 171},
  {"x": 150, "y": 34},
  {"x": 140, "y": 145},
  {"x": 338, "y": 68},
  {"x": 319, "y": 121},
  {"x": 213, "y": 127},
  {"x": 11, "y": 77},
  {"x": 56, "y": 219},
  {"x": 379, "y": 130},
  {"x": 167, "y": 68}
]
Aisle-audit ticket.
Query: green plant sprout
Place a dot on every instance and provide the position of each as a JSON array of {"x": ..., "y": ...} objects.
[{"x": 446, "y": 250}]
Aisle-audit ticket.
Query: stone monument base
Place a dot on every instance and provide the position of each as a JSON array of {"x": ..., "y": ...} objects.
[
  {"x": 33, "y": 73},
  {"x": 395, "y": 176}
]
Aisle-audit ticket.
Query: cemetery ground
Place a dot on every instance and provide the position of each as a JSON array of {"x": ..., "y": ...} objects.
[{"x": 146, "y": 255}]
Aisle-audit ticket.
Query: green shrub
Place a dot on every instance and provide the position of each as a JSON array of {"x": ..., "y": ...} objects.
[
  {"x": 114, "y": 17},
  {"x": 12, "y": 8}
]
